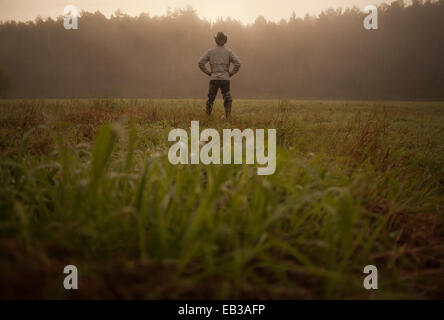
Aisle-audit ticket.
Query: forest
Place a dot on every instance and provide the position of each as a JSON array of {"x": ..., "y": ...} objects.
[{"x": 329, "y": 56}]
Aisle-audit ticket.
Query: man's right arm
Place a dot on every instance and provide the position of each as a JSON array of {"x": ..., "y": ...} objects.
[{"x": 202, "y": 61}]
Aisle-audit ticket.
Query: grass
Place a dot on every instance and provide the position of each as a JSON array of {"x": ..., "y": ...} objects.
[{"x": 88, "y": 182}]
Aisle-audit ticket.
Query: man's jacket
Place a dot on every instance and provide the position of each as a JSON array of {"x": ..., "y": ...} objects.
[{"x": 220, "y": 59}]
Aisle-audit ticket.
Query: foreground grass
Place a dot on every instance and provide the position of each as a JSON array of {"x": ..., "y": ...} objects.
[{"x": 88, "y": 182}]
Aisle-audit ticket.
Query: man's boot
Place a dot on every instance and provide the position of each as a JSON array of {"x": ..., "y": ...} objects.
[
  {"x": 209, "y": 108},
  {"x": 227, "y": 106}
]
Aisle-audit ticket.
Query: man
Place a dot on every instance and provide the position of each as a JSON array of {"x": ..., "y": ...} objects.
[{"x": 220, "y": 59}]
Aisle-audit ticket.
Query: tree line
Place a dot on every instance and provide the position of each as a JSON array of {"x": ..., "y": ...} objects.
[{"x": 328, "y": 56}]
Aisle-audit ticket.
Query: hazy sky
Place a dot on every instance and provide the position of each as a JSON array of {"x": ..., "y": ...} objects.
[{"x": 244, "y": 10}]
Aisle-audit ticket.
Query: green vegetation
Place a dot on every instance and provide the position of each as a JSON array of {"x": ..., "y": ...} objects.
[{"x": 88, "y": 182}]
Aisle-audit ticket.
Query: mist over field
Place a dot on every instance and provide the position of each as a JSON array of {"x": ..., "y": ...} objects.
[{"x": 330, "y": 56}]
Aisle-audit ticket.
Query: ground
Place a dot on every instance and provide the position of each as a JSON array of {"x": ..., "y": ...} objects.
[{"x": 88, "y": 183}]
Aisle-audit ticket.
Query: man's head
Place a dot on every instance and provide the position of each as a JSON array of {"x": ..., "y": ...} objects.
[{"x": 221, "y": 39}]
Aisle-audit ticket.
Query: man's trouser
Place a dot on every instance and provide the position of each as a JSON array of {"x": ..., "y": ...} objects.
[{"x": 224, "y": 86}]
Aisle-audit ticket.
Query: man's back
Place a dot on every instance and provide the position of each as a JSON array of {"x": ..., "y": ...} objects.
[{"x": 220, "y": 58}]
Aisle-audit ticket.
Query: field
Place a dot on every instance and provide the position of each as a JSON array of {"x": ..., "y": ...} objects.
[{"x": 88, "y": 183}]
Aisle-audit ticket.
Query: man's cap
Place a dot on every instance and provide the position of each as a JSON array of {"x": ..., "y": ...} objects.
[{"x": 221, "y": 38}]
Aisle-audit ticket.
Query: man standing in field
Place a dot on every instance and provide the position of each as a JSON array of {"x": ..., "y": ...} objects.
[{"x": 220, "y": 59}]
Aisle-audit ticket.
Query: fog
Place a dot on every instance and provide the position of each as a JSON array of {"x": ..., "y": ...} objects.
[
  {"x": 244, "y": 10},
  {"x": 330, "y": 56}
]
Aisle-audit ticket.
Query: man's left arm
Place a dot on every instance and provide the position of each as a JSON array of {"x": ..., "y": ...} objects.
[{"x": 236, "y": 63}]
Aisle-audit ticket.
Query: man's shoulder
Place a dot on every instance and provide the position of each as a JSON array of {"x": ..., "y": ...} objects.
[
  {"x": 219, "y": 49},
  {"x": 226, "y": 49},
  {"x": 230, "y": 52}
]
